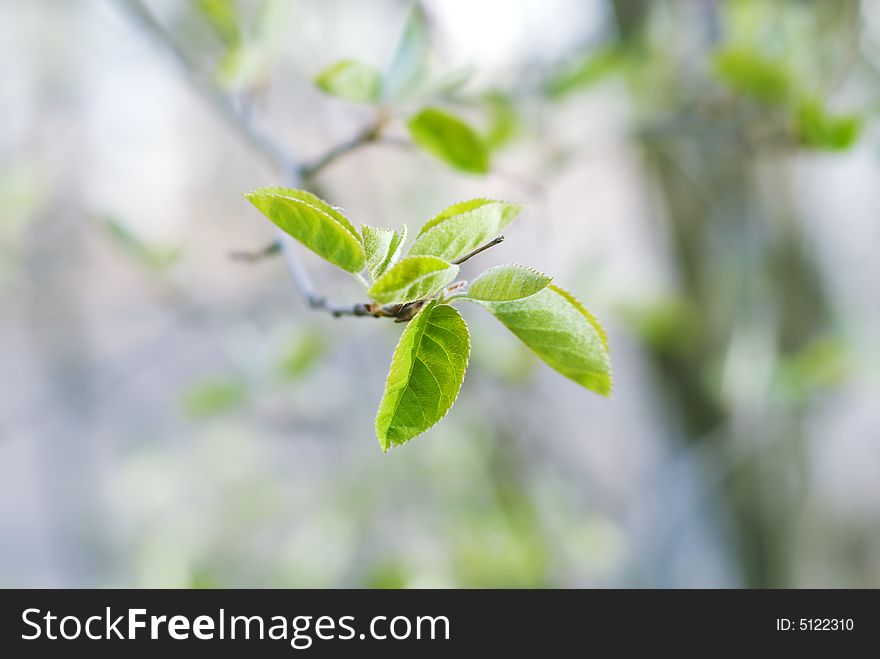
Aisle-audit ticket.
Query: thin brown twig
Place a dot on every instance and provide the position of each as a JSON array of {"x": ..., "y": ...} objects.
[{"x": 481, "y": 248}]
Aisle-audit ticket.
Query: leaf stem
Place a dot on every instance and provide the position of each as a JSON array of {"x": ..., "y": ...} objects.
[{"x": 481, "y": 248}]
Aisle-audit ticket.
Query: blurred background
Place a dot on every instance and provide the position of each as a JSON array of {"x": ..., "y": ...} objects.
[{"x": 703, "y": 175}]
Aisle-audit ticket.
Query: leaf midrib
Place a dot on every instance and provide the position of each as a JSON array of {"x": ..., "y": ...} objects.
[
  {"x": 318, "y": 209},
  {"x": 415, "y": 357}
]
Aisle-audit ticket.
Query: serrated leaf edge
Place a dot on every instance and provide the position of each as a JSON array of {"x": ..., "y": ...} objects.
[
  {"x": 431, "y": 305},
  {"x": 393, "y": 254},
  {"x": 436, "y": 220},
  {"x": 465, "y": 296},
  {"x": 594, "y": 323},
  {"x": 350, "y": 229},
  {"x": 600, "y": 330}
]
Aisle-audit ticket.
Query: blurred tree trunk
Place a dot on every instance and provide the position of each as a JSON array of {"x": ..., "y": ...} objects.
[{"x": 745, "y": 272}]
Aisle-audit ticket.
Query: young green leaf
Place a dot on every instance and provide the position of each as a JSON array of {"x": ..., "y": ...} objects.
[
  {"x": 222, "y": 17},
  {"x": 382, "y": 248},
  {"x": 562, "y": 333},
  {"x": 448, "y": 83},
  {"x": 507, "y": 282},
  {"x": 411, "y": 279},
  {"x": 410, "y": 62},
  {"x": 819, "y": 129},
  {"x": 586, "y": 70},
  {"x": 425, "y": 375},
  {"x": 351, "y": 80},
  {"x": 450, "y": 139},
  {"x": 754, "y": 75},
  {"x": 152, "y": 256},
  {"x": 213, "y": 397},
  {"x": 504, "y": 123},
  {"x": 463, "y": 227},
  {"x": 315, "y": 223}
]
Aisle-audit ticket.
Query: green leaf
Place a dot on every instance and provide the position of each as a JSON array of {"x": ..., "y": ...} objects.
[
  {"x": 819, "y": 129},
  {"x": 222, "y": 16},
  {"x": 586, "y": 71},
  {"x": 669, "y": 324},
  {"x": 450, "y": 139},
  {"x": 821, "y": 364},
  {"x": 382, "y": 247},
  {"x": 754, "y": 75},
  {"x": 410, "y": 61},
  {"x": 503, "y": 120},
  {"x": 413, "y": 278},
  {"x": 507, "y": 282},
  {"x": 213, "y": 397},
  {"x": 315, "y": 223},
  {"x": 562, "y": 333},
  {"x": 246, "y": 65},
  {"x": 448, "y": 83},
  {"x": 303, "y": 353},
  {"x": 463, "y": 227},
  {"x": 351, "y": 80},
  {"x": 426, "y": 373},
  {"x": 150, "y": 255}
]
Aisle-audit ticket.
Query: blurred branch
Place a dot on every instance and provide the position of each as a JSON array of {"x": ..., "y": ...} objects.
[
  {"x": 368, "y": 135},
  {"x": 219, "y": 100},
  {"x": 269, "y": 250},
  {"x": 292, "y": 171}
]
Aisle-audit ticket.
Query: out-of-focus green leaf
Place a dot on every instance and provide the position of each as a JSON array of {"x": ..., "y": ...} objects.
[
  {"x": 585, "y": 71},
  {"x": 503, "y": 120},
  {"x": 818, "y": 129},
  {"x": 463, "y": 227},
  {"x": 446, "y": 84},
  {"x": 450, "y": 139},
  {"x": 411, "y": 279},
  {"x": 315, "y": 223},
  {"x": 222, "y": 16},
  {"x": 410, "y": 62},
  {"x": 426, "y": 373},
  {"x": 507, "y": 282},
  {"x": 204, "y": 579},
  {"x": 214, "y": 397},
  {"x": 754, "y": 75},
  {"x": 823, "y": 363},
  {"x": 351, "y": 80},
  {"x": 562, "y": 333},
  {"x": 303, "y": 353},
  {"x": 520, "y": 557},
  {"x": 247, "y": 65},
  {"x": 148, "y": 255},
  {"x": 669, "y": 324},
  {"x": 386, "y": 575}
]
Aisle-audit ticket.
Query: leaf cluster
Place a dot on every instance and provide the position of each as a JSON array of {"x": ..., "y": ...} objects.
[{"x": 419, "y": 286}]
